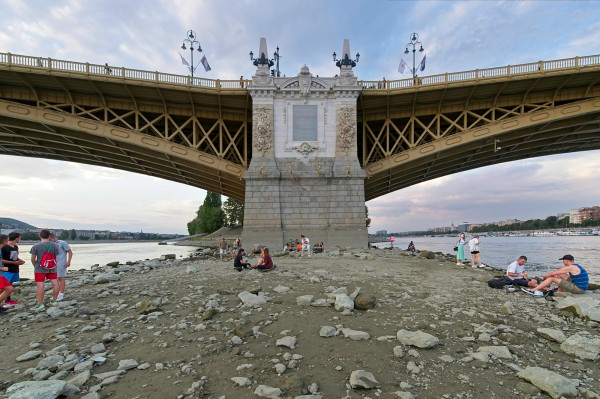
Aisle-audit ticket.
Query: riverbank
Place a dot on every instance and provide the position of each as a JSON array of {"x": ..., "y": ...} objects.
[{"x": 197, "y": 328}]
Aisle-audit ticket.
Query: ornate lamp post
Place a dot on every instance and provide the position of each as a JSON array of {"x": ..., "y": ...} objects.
[
  {"x": 191, "y": 40},
  {"x": 414, "y": 41},
  {"x": 263, "y": 60},
  {"x": 345, "y": 61}
]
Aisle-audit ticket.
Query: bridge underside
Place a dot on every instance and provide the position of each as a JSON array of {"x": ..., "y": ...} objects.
[{"x": 413, "y": 135}]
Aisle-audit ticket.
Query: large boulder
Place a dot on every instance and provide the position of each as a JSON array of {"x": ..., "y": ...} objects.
[
  {"x": 581, "y": 347},
  {"x": 50, "y": 389},
  {"x": 249, "y": 299},
  {"x": 582, "y": 306},
  {"x": 364, "y": 302},
  {"x": 550, "y": 382},
  {"x": 106, "y": 278},
  {"x": 419, "y": 339},
  {"x": 363, "y": 379}
]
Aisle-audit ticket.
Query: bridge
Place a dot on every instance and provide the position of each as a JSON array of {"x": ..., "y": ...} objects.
[
  {"x": 200, "y": 131},
  {"x": 196, "y": 131}
]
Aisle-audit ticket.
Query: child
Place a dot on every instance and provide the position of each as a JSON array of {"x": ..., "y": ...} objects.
[
  {"x": 5, "y": 287},
  {"x": 11, "y": 261}
]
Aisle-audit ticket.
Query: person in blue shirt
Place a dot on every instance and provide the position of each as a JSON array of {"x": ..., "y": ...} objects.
[{"x": 571, "y": 278}]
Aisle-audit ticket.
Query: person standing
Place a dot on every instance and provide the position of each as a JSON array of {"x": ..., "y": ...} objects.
[
  {"x": 223, "y": 247},
  {"x": 236, "y": 244},
  {"x": 392, "y": 239},
  {"x": 6, "y": 287},
  {"x": 305, "y": 245},
  {"x": 41, "y": 274},
  {"x": 460, "y": 250},
  {"x": 10, "y": 260},
  {"x": 63, "y": 261},
  {"x": 475, "y": 255}
]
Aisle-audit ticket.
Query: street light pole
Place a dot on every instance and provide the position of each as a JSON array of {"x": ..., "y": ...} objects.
[
  {"x": 414, "y": 41},
  {"x": 191, "y": 40}
]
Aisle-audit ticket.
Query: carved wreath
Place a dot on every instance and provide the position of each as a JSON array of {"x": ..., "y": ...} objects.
[
  {"x": 263, "y": 128},
  {"x": 305, "y": 148},
  {"x": 346, "y": 128}
]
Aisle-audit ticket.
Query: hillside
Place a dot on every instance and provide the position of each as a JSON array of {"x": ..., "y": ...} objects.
[{"x": 8, "y": 223}]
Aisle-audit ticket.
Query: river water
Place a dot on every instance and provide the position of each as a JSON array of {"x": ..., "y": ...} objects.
[
  {"x": 542, "y": 252},
  {"x": 87, "y": 255}
]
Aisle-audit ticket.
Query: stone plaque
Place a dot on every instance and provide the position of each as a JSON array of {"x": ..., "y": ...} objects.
[{"x": 305, "y": 123}]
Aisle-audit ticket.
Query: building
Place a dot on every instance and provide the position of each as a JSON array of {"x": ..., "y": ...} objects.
[
  {"x": 509, "y": 221},
  {"x": 381, "y": 233},
  {"x": 588, "y": 213},
  {"x": 574, "y": 217}
]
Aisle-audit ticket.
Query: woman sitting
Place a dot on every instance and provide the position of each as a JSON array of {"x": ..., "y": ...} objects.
[
  {"x": 264, "y": 262},
  {"x": 411, "y": 247}
]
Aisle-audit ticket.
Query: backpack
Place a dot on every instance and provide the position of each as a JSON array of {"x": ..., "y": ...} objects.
[
  {"x": 499, "y": 282},
  {"x": 48, "y": 259}
]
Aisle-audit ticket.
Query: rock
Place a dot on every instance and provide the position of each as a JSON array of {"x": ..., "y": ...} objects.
[
  {"x": 267, "y": 392},
  {"x": 343, "y": 302},
  {"x": 581, "y": 347},
  {"x": 364, "y": 302},
  {"x": 550, "y": 382},
  {"x": 305, "y": 300},
  {"x": 249, "y": 299},
  {"x": 501, "y": 352},
  {"x": 29, "y": 355},
  {"x": 110, "y": 374},
  {"x": 191, "y": 269},
  {"x": 80, "y": 379},
  {"x": 419, "y": 339},
  {"x": 584, "y": 307},
  {"x": 507, "y": 308},
  {"x": 168, "y": 257},
  {"x": 355, "y": 335},
  {"x": 36, "y": 389},
  {"x": 289, "y": 342},
  {"x": 309, "y": 397},
  {"x": 398, "y": 351},
  {"x": 321, "y": 302},
  {"x": 412, "y": 367},
  {"x": 98, "y": 348},
  {"x": 551, "y": 334},
  {"x": 280, "y": 289},
  {"x": 50, "y": 362},
  {"x": 354, "y": 294},
  {"x": 446, "y": 358},
  {"x": 328, "y": 331},
  {"x": 55, "y": 312},
  {"x": 280, "y": 368},
  {"x": 587, "y": 394},
  {"x": 91, "y": 395},
  {"x": 81, "y": 367},
  {"x": 363, "y": 379},
  {"x": 241, "y": 381},
  {"x": 113, "y": 264},
  {"x": 86, "y": 310},
  {"x": 127, "y": 364},
  {"x": 143, "y": 366},
  {"x": 527, "y": 388},
  {"x": 209, "y": 313},
  {"x": 106, "y": 278}
]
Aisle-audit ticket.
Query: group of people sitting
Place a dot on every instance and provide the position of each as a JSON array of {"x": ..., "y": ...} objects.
[
  {"x": 318, "y": 248},
  {"x": 572, "y": 277},
  {"x": 265, "y": 262}
]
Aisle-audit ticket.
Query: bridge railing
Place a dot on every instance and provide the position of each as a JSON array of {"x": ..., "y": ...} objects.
[
  {"x": 487, "y": 73},
  {"x": 126, "y": 73}
]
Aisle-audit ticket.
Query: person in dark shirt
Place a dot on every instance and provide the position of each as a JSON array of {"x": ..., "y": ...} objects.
[
  {"x": 264, "y": 262},
  {"x": 238, "y": 262},
  {"x": 11, "y": 261}
]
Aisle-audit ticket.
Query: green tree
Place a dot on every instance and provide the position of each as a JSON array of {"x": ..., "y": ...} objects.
[
  {"x": 64, "y": 235},
  {"x": 73, "y": 234},
  {"x": 210, "y": 217},
  {"x": 367, "y": 218},
  {"x": 234, "y": 211},
  {"x": 30, "y": 236}
]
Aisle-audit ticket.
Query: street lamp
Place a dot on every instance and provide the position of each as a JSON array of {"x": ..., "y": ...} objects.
[
  {"x": 191, "y": 40},
  {"x": 414, "y": 41},
  {"x": 263, "y": 60},
  {"x": 345, "y": 61}
]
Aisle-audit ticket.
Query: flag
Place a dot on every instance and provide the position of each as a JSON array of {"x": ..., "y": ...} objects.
[
  {"x": 204, "y": 62},
  {"x": 422, "y": 64},
  {"x": 183, "y": 60},
  {"x": 401, "y": 66}
]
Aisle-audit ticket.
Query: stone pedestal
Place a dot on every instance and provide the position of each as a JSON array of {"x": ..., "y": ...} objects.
[{"x": 304, "y": 177}]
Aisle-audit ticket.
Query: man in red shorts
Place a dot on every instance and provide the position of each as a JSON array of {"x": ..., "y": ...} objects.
[{"x": 41, "y": 274}]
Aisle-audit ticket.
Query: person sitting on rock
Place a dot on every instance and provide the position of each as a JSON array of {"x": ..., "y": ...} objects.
[
  {"x": 516, "y": 272},
  {"x": 239, "y": 262},
  {"x": 411, "y": 247},
  {"x": 264, "y": 262},
  {"x": 572, "y": 278}
]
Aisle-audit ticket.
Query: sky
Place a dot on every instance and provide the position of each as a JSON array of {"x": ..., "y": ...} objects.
[{"x": 456, "y": 36}]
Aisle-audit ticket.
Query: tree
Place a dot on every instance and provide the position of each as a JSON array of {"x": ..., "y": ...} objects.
[
  {"x": 234, "y": 211},
  {"x": 367, "y": 218},
  {"x": 210, "y": 217},
  {"x": 64, "y": 235},
  {"x": 73, "y": 234}
]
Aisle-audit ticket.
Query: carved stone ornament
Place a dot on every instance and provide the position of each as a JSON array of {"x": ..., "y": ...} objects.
[
  {"x": 346, "y": 78},
  {"x": 263, "y": 129},
  {"x": 304, "y": 81},
  {"x": 346, "y": 128},
  {"x": 262, "y": 78},
  {"x": 305, "y": 148}
]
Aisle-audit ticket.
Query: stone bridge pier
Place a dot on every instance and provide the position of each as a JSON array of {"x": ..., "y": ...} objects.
[{"x": 304, "y": 177}]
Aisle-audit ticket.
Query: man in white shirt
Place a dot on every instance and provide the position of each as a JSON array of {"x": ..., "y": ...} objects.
[
  {"x": 474, "y": 247},
  {"x": 305, "y": 245},
  {"x": 516, "y": 272}
]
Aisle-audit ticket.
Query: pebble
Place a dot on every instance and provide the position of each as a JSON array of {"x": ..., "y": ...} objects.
[
  {"x": 355, "y": 335},
  {"x": 241, "y": 381},
  {"x": 29, "y": 355}
]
